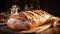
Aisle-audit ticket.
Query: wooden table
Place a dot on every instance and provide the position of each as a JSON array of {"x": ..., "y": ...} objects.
[{"x": 51, "y": 30}]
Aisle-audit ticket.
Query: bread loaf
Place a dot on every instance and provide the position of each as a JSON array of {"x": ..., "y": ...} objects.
[{"x": 28, "y": 19}]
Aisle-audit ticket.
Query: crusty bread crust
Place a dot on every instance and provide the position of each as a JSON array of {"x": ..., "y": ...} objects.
[{"x": 28, "y": 19}]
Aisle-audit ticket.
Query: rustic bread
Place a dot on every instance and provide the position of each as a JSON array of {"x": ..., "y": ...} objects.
[{"x": 28, "y": 19}]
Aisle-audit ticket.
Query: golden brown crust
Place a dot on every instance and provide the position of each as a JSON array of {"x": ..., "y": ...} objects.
[{"x": 30, "y": 19}]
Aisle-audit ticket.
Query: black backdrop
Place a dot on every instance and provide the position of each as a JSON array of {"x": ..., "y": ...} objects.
[{"x": 52, "y": 6}]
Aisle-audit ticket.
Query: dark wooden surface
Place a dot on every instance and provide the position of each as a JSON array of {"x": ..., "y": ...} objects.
[{"x": 5, "y": 30}]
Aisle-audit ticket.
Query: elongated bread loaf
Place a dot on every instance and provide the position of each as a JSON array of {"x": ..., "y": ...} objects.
[{"x": 28, "y": 19}]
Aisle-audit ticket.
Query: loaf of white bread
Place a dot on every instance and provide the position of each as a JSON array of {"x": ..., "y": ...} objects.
[{"x": 28, "y": 19}]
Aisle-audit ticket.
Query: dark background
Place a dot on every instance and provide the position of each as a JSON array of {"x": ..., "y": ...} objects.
[{"x": 51, "y": 6}]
